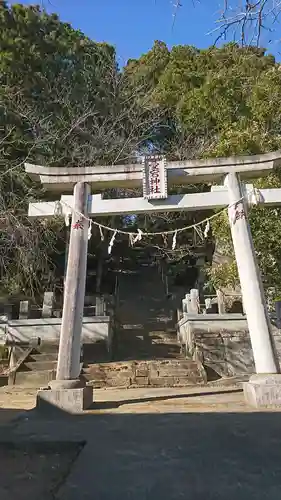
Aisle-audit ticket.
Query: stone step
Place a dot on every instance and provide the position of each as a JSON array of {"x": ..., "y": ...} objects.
[
  {"x": 146, "y": 346},
  {"x": 152, "y": 337},
  {"x": 152, "y": 373},
  {"x": 35, "y": 379},
  {"x": 96, "y": 353},
  {"x": 44, "y": 356},
  {"x": 120, "y": 357},
  {"x": 235, "y": 380},
  {"x": 161, "y": 327},
  {"x": 128, "y": 352},
  {"x": 47, "y": 347},
  {"x": 144, "y": 340},
  {"x": 143, "y": 344},
  {"x": 40, "y": 365}
]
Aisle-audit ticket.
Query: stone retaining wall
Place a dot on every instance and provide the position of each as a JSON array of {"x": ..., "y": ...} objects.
[
  {"x": 220, "y": 342},
  {"x": 156, "y": 373}
]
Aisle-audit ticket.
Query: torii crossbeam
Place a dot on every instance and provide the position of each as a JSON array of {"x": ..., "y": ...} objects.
[
  {"x": 63, "y": 179},
  {"x": 156, "y": 176},
  {"x": 217, "y": 198}
]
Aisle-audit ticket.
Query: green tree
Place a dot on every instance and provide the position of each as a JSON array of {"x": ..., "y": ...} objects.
[
  {"x": 221, "y": 102},
  {"x": 63, "y": 102}
]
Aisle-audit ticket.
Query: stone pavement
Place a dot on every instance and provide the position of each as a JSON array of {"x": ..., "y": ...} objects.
[{"x": 197, "y": 443}]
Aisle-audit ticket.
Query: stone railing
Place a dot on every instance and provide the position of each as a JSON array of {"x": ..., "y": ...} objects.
[
  {"x": 95, "y": 305},
  {"x": 47, "y": 330},
  {"x": 219, "y": 340},
  {"x": 24, "y": 324},
  {"x": 221, "y": 303}
]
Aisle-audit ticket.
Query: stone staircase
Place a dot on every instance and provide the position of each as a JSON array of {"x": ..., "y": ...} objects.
[
  {"x": 146, "y": 373},
  {"x": 146, "y": 350},
  {"x": 38, "y": 368},
  {"x": 146, "y": 317}
]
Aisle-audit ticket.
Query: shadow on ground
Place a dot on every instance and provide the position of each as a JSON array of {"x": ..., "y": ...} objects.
[
  {"x": 9, "y": 414},
  {"x": 102, "y": 405},
  {"x": 204, "y": 456}
]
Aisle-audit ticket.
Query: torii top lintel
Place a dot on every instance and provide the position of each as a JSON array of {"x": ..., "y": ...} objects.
[{"x": 62, "y": 179}]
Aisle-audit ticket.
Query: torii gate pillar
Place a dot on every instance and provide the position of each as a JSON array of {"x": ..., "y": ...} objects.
[
  {"x": 252, "y": 290},
  {"x": 68, "y": 392},
  {"x": 264, "y": 388}
]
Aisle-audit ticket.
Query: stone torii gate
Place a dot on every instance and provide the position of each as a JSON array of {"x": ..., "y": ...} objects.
[{"x": 156, "y": 176}]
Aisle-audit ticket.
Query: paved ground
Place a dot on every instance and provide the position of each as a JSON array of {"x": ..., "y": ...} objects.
[
  {"x": 148, "y": 444},
  {"x": 32, "y": 473},
  {"x": 14, "y": 400}
]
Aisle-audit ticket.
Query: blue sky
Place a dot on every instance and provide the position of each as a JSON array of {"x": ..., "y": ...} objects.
[{"x": 132, "y": 25}]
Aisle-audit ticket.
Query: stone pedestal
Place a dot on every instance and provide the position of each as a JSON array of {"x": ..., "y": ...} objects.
[
  {"x": 70, "y": 397},
  {"x": 263, "y": 391}
]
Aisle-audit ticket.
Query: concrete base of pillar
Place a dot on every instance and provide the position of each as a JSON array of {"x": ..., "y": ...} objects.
[
  {"x": 263, "y": 391},
  {"x": 70, "y": 400}
]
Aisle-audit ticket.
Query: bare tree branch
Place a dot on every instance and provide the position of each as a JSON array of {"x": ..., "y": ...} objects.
[{"x": 245, "y": 20}]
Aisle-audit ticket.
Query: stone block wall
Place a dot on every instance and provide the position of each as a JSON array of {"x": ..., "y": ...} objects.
[
  {"x": 153, "y": 373},
  {"x": 221, "y": 343}
]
